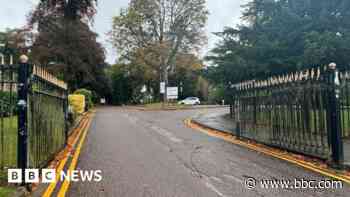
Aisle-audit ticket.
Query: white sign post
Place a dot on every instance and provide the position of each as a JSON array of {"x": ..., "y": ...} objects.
[
  {"x": 144, "y": 89},
  {"x": 172, "y": 92},
  {"x": 103, "y": 101},
  {"x": 162, "y": 87}
]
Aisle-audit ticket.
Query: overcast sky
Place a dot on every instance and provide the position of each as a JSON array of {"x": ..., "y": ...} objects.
[{"x": 222, "y": 13}]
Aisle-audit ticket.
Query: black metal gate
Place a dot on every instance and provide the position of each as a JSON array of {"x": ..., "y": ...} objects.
[
  {"x": 306, "y": 111},
  {"x": 47, "y": 104},
  {"x": 33, "y": 114},
  {"x": 8, "y": 117}
]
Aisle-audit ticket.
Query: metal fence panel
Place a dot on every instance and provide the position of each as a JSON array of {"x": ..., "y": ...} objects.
[
  {"x": 301, "y": 112},
  {"x": 289, "y": 116},
  {"x": 8, "y": 118},
  {"x": 46, "y": 117},
  {"x": 33, "y": 117}
]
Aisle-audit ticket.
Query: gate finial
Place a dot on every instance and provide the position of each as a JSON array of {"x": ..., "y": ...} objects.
[
  {"x": 23, "y": 59},
  {"x": 332, "y": 66}
]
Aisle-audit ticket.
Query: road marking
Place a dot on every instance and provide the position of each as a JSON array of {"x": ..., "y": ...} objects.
[
  {"x": 233, "y": 178},
  {"x": 217, "y": 179},
  {"x": 213, "y": 188},
  {"x": 52, "y": 185},
  {"x": 166, "y": 133},
  {"x": 65, "y": 185},
  {"x": 132, "y": 119},
  {"x": 304, "y": 164}
]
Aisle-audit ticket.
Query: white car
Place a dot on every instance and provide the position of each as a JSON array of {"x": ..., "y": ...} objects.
[{"x": 190, "y": 101}]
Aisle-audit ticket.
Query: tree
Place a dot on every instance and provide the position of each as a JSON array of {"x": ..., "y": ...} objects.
[
  {"x": 120, "y": 87},
  {"x": 67, "y": 46},
  {"x": 187, "y": 76},
  {"x": 127, "y": 80},
  {"x": 162, "y": 28},
  {"x": 76, "y": 57},
  {"x": 13, "y": 41},
  {"x": 71, "y": 10},
  {"x": 282, "y": 36}
]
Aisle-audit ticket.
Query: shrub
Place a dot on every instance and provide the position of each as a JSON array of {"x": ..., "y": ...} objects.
[
  {"x": 216, "y": 94},
  {"x": 95, "y": 97},
  {"x": 8, "y": 97},
  {"x": 72, "y": 116},
  {"x": 8, "y": 103}
]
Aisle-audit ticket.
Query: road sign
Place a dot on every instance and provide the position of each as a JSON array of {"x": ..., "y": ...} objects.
[
  {"x": 162, "y": 87},
  {"x": 144, "y": 89},
  {"x": 172, "y": 92},
  {"x": 103, "y": 101}
]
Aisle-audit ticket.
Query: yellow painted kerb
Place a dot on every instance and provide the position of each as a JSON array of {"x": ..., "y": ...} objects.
[
  {"x": 304, "y": 164},
  {"x": 52, "y": 185},
  {"x": 65, "y": 185}
]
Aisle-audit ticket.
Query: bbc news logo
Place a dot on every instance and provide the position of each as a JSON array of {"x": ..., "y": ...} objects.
[{"x": 50, "y": 175}]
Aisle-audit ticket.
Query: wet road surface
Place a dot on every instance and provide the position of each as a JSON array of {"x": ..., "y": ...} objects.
[{"x": 153, "y": 154}]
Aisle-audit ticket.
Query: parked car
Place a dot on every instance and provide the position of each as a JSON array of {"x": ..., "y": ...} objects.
[{"x": 190, "y": 101}]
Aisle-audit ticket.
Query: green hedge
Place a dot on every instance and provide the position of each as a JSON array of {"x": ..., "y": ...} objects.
[
  {"x": 8, "y": 97},
  {"x": 8, "y": 103}
]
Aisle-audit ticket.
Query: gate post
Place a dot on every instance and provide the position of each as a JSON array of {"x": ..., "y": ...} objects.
[
  {"x": 22, "y": 145},
  {"x": 334, "y": 116}
]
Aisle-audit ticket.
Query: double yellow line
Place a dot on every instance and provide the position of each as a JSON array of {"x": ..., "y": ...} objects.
[
  {"x": 85, "y": 125},
  {"x": 307, "y": 165}
]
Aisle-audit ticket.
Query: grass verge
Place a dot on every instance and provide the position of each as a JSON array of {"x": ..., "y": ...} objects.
[
  {"x": 6, "y": 191},
  {"x": 8, "y": 144}
]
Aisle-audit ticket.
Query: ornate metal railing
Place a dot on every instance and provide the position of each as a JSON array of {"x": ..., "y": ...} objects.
[
  {"x": 47, "y": 103},
  {"x": 306, "y": 111},
  {"x": 345, "y": 103},
  {"x": 33, "y": 114},
  {"x": 8, "y": 117}
]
